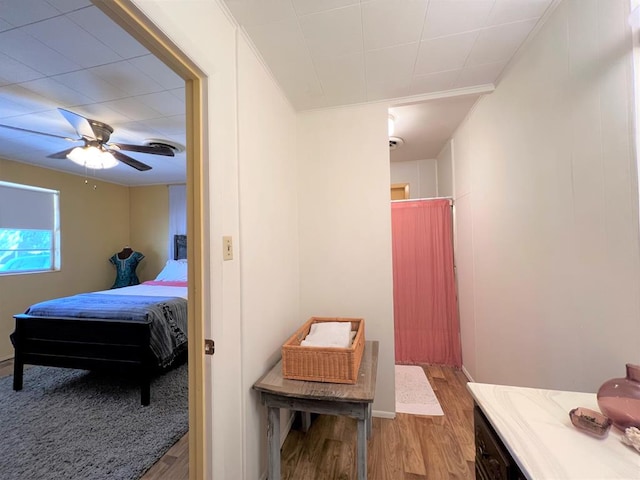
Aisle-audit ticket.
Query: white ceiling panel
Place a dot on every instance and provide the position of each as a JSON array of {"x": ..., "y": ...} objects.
[
  {"x": 13, "y": 71},
  {"x": 154, "y": 68},
  {"x": 296, "y": 34},
  {"x": 390, "y": 70},
  {"x": 56, "y": 92},
  {"x": 260, "y": 12},
  {"x": 281, "y": 42},
  {"x": 164, "y": 103},
  {"x": 393, "y": 62},
  {"x": 307, "y": 7},
  {"x": 303, "y": 83},
  {"x": 479, "y": 74},
  {"x": 433, "y": 82},
  {"x": 66, "y": 6},
  {"x": 448, "y": 17},
  {"x": 506, "y": 11},
  {"x": 387, "y": 22},
  {"x": 498, "y": 44},
  {"x": 76, "y": 58},
  {"x": 444, "y": 53},
  {"x": 321, "y": 52},
  {"x": 4, "y": 25},
  {"x": 111, "y": 35},
  {"x": 24, "y": 12},
  {"x": 178, "y": 93},
  {"x": 19, "y": 45},
  {"x": 283, "y": 48},
  {"x": 102, "y": 113},
  {"x": 91, "y": 85},
  {"x": 48, "y": 121},
  {"x": 333, "y": 33},
  {"x": 77, "y": 44},
  {"x": 23, "y": 100},
  {"x": 170, "y": 126},
  {"x": 133, "y": 108},
  {"x": 127, "y": 78},
  {"x": 342, "y": 78}
]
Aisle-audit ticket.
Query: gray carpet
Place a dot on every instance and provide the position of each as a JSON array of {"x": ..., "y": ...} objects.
[{"x": 79, "y": 425}]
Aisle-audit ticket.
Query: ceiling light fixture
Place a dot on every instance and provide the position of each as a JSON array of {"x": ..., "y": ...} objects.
[
  {"x": 395, "y": 143},
  {"x": 392, "y": 121},
  {"x": 92, "y": 157}
]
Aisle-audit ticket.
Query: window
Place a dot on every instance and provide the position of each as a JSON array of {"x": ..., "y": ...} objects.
[{"x": 29, "y": 229}]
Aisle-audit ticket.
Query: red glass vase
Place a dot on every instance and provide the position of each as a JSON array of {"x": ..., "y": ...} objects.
[{"x": 619, "y": 399}]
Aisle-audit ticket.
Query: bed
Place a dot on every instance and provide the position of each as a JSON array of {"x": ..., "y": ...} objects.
[{"x": 140, "y": 329}]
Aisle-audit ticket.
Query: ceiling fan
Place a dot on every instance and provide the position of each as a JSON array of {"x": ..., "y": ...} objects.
[{"x": 95, "y": 136}]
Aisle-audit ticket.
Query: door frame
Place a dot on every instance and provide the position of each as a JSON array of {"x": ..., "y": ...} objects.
[{"x": 131, "y": 19}]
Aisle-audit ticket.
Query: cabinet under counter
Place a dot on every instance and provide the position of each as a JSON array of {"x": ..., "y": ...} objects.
[{"x": 527, "y": 433}]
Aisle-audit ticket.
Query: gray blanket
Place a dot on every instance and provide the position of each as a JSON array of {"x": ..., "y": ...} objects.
[{"x": 167, "y": 316}]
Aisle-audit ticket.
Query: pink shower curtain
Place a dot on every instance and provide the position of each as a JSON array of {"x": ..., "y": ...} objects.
[{"x": 424, "y": 295}]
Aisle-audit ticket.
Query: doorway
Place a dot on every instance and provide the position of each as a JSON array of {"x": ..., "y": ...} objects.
[{"x": 134, "y": 22}]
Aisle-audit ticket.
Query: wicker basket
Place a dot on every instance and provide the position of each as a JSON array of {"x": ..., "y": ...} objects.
[{"x": 323, "y": 364}]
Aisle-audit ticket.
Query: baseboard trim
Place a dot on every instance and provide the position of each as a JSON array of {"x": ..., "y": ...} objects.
[
  {"x": 467, "y": 374},
  {"x": 383, "y": 414},
  {"x": 8, "y": 357}
]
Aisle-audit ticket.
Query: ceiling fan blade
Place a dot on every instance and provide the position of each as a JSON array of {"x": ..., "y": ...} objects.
[
  {"x": 81, "y": 124},
  {"x": 40, "y": 133},
  {"x": 153, "y": 150},
  {"x": 130, "y": 161},
  {"x": 62, "y": 154}
]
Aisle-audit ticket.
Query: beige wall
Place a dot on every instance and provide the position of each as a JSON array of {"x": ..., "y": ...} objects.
[
  {"x": 94, "y": 225},
  {"x": 149, "y": 226},
  {"x": 547, "y": 210}
]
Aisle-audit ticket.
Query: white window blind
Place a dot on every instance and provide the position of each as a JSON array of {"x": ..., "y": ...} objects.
[{"x": 28, "y": 208}]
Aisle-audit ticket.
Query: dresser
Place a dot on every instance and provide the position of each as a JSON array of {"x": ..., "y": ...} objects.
[{"x": 525, "y": 433}]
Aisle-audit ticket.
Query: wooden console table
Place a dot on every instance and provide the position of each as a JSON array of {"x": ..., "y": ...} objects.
[{"x": 324, "y": 398}]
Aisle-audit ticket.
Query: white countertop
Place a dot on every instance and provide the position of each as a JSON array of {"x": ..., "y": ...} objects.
[{"x": 535, "y": 427}]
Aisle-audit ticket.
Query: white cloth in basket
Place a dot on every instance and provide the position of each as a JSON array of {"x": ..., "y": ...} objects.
[{"x": 328, "y": 334}]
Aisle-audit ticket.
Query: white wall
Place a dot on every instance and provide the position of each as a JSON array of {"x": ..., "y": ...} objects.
[
  {"x": 547, "y": 210},
  {"x": 445, "y": 171},
  {"x": 268, "y": 238},
  {"x": 254, "y": 193},
  {"x": 421, "y": 175},
  {"x": 204, "y": 32},
  {"x": 345, "y": 226}
]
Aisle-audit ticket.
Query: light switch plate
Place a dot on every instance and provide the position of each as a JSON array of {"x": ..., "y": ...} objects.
[{"x": 227, "y": 248}]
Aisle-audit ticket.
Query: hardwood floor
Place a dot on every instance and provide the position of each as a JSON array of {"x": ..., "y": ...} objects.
[
  {"x": 406, "y": 448},
  {"x": 409, "y": 447},
  {"x": 174, "y": 465}
]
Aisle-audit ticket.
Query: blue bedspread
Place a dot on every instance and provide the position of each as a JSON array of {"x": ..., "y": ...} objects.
[{"x": 167, "y": 316}]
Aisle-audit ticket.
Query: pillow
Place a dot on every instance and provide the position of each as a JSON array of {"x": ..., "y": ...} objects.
[{"x": 173, "y": 271}]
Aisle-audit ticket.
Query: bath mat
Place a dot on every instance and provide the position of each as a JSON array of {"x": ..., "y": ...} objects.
[{"x": 414, "y": 394}]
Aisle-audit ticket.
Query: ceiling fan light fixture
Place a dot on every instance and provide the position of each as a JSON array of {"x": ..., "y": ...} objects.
[{"x": 92, "y": 157}]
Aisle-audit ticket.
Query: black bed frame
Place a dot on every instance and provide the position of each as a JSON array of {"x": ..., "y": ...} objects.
[{"x": 87, "y": 343}]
